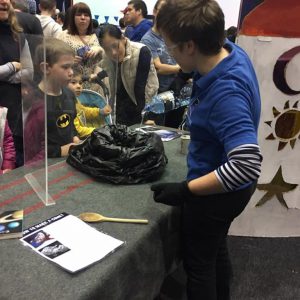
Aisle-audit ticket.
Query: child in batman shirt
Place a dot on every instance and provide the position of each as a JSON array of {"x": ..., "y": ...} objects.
[{"x": 55, "y": 60}]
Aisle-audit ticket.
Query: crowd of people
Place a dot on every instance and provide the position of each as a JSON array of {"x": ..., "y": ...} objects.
[
  {"x": 47, "y": 60},
  {"x": 135, "y": 69}
]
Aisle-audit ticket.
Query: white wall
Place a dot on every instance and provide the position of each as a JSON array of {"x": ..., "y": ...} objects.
[
  {"x": 111, "y": 8},
  {"x": 231, "y": 9}
]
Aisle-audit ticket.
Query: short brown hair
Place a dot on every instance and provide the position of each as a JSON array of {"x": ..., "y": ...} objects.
[
  {"x": 47, "y": 4},
  {"x": 79, "y": 7},
  {"x": 157, "y": 4},
  {"x": 51, "y": 50},
  {"x": 201, "y": 21}
]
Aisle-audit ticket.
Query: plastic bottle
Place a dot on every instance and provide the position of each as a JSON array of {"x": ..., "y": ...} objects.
[
  {"x": 184, "y": 96},
  {"x": 159, "y": 102},
  {"x": 166, "y": 101},
  {"x": 156, "y": 106}
]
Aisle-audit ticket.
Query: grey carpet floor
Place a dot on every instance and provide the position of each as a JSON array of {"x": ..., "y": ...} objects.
[{"x": 264, "y": 269}]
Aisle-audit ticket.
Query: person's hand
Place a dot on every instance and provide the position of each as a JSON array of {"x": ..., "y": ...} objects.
[
  {"x": 64, "y": 150},
  {"x": 76, "y": 140},
  {"x": 16, "y": 65},
  {"x": 173, "y": 193},
  {"x": 92, "y": 77},
  {"x": 150, "y": 122},
  {"x": 177, "y": 68},
  {"x": 106, "y": 110},
  {"x": 93, "y": 52},
  {"x": 77, "y": 59},
  {"x": 6, "y": 171}
]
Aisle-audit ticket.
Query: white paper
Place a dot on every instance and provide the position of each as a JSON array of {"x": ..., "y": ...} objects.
[{"x": 69, "y": 242}]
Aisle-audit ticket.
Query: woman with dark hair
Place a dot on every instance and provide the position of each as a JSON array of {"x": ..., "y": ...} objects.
[
  {"x": 131, "y": 63},
  {"x": 84, "y": 42}
]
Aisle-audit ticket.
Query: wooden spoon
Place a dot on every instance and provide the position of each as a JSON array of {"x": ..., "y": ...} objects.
[{"x": 94, "y": 217}]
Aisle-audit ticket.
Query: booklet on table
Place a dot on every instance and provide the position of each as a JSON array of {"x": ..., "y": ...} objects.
[{"x": 69, "y": 242}]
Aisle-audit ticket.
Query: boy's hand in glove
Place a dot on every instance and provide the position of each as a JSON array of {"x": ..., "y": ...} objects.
[{"x": 172, "y": 193}]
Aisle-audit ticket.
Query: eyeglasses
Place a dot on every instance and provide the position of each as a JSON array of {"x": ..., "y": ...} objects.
[{"x": 171, "y": 48}]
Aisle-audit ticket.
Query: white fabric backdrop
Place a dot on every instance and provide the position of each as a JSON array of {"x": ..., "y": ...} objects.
[
  {"x": 272, "y": 219},
  {"x": 112, "y": 9}
]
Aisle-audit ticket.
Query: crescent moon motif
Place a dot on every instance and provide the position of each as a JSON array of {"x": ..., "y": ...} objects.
[{"x": 279, "y": 71}]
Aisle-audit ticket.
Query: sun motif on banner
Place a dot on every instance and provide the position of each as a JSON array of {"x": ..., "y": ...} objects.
[{"x": 286, "y": 125}]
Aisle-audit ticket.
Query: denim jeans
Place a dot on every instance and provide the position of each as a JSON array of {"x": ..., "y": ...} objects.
[{"x": 206, "y": 220}]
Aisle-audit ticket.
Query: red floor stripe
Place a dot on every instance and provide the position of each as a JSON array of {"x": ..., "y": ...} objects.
[
  {"x": 22, "y": 180},
  {"x": 69, "y": 174},
  {"x": 55, "y": 197},
  {"x": 17, "y": 197},
  {"x": 12, "y": 183},
  {"x": 31, "y": 191},
  {"x": 57, "y": 166}
]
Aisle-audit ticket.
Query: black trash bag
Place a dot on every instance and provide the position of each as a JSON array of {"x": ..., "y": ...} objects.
[{"x": 120, "y": 155}]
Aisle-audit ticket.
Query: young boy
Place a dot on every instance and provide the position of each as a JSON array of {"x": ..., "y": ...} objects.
[
  {"x": 88, "y": 118},
  {"x": 57, "y": 72},
  {"x": 224, "y": 158}
]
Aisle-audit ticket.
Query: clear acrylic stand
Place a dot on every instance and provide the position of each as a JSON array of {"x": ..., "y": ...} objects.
[
  {"x": 35, "y": 113},
  {"x": 35, "y": 126}
]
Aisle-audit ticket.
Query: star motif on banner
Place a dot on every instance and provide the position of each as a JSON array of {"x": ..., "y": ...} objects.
[{"x": 277, "y": 187}]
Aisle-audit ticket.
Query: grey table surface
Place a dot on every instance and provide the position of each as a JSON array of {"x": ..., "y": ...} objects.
[{"x": 135, "y": 271}]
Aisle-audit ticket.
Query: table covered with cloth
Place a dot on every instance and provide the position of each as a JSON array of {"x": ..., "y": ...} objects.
[{"x": 134, "y": 271}]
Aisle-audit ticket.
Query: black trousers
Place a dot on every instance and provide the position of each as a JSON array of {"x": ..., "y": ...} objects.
[{"x": 206, "y": 220}]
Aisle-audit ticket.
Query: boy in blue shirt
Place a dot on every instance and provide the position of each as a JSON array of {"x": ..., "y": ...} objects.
[{"x": 224, "y": 158}]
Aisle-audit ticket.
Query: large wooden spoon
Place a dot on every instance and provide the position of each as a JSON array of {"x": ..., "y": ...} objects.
[{"x": 94, "y": 217}]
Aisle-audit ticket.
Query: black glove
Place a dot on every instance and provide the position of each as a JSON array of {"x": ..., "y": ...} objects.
[{"x": 172, "y": 193}]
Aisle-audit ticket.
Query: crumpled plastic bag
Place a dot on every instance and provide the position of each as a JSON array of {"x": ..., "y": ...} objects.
[{"x": 120, "y": 155}]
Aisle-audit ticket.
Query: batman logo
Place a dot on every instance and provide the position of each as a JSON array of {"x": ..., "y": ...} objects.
[{"x": 63, "y": 121}]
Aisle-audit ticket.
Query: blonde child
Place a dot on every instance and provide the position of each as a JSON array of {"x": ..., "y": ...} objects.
[{"x": 88, "y": 118}]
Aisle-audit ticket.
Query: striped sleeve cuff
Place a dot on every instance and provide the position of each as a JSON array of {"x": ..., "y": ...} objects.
[{"x": 243, "y": 166}]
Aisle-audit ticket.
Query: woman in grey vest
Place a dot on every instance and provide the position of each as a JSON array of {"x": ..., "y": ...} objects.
[{"x": 132, "y": 75}]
